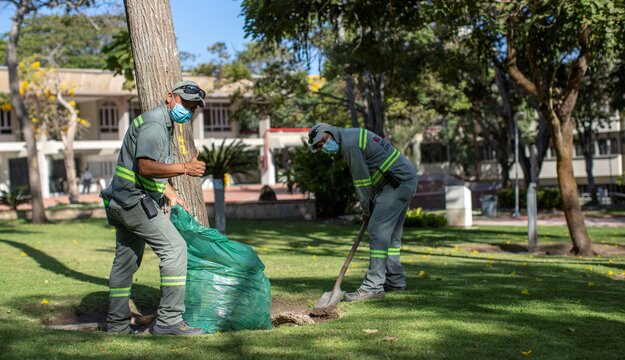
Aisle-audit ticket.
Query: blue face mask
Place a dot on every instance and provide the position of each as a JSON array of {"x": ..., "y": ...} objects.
[
  {"x": 179, "y": 114},
  {"x": 330, "y": 147}
]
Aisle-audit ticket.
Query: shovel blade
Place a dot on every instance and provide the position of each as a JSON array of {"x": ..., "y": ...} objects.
[{"x": 330, "y": 298}]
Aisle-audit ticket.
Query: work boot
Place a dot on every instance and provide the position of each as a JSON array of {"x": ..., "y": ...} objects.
[
  {"x": 389, "y": 288},
  {"x": 181, "y": 328},
  {"x": 361, "y": 295}
]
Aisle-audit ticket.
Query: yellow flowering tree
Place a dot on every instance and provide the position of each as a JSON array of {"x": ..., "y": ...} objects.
[{"x": 52, "y": 113}]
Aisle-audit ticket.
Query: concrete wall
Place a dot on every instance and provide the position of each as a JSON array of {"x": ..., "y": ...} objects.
[{"x": 279, "y": 210}]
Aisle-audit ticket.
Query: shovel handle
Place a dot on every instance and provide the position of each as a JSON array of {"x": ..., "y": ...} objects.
[{"x": 363, "y": 228}]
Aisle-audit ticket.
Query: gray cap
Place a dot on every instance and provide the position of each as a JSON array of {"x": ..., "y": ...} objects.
[
  {"x": 190, "y": 91},
  {"x": 316, "y": 134}
]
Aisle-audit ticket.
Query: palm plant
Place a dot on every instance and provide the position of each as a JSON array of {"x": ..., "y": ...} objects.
[
  {"x": 235, "y": 159},
  {"x": 14, "y": 198}
]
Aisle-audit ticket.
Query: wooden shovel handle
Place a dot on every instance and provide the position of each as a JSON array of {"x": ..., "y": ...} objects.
[{"x": 363, "y": 228}]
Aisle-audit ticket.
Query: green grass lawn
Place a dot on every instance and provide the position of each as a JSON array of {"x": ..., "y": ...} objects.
[{"x": 462, "y": 304}]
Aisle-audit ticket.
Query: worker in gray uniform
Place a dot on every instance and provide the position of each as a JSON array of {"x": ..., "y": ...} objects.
[
  {"x": 385, "y": 183},
  {"x": 132, "y": 203}
]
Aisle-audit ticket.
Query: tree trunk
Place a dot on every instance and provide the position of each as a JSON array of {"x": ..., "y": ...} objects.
[
  {"x": 157, "y": 68},
  {"x": 68, "y": 152},
  {"x": 34, "y": 181},
  {"x": 562, "y": 138}
]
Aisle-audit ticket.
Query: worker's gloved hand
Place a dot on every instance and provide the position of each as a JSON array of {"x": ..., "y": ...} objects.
[
  {"x": 178, "y": 201},
  {"x": 195, "y": 167}
]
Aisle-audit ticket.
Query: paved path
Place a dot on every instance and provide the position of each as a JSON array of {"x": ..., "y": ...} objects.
[{"x": 234, "y": 194}]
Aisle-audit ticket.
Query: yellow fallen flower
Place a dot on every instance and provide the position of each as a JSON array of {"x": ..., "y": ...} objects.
[{"x": 525, "y": 292}]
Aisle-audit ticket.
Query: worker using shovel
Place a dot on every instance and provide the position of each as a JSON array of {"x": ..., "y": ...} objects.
[{"x": 385, "y": 181}]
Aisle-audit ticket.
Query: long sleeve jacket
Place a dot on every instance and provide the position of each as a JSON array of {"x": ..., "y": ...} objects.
[{"x": 369, "y": 157}]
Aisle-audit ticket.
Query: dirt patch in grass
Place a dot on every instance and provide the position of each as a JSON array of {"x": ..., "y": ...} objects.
[
  {"x": 543, "y": 249},
  {"x": 282, "y": 313}
]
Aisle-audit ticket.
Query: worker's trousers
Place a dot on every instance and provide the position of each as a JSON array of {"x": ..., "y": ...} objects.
[
  {"x": 134, "y": 230},
  {"x": 385, "y": 230}
]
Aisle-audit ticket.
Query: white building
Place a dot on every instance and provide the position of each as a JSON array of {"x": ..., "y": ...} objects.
[{"x": 109, "y": 109}]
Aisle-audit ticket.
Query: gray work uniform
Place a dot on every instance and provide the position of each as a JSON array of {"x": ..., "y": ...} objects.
[
  {"x": 369, "y": 157},
  {"x": 149, "y": 136}
]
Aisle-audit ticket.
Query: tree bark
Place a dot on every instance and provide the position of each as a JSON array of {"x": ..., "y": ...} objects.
[
  {"x": 349, "y": 92},
  {"x": 562, "y": 138},
  {"x": 557, "y": 113},
  {"x": 587, "y": 139},
  {"x": 157, "y": 68},
  {"x": 34, "y": 180},
  {"x": 68, "y": 152}
]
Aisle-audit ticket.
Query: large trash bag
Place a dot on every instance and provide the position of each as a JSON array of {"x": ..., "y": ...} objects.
[{"x": 226, "y": 288}]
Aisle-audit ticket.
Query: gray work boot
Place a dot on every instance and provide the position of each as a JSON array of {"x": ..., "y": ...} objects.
[
  {"x": 389, "y": 288},
  {"x": 361, "y": 295},
  {"x": 181, "y": 328}
]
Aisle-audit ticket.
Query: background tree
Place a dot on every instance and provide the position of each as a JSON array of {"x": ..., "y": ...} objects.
[
  {"x": 52, "y": 114},
  {"x": 559, "y": 40},
  {"x": 22, "y": 9},
  {"x": 82, "y": 38},
  {"x": 157, "y": 69}
]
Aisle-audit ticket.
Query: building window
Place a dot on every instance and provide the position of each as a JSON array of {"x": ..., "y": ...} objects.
[
  {"x": 5, "y": 122},
  {"x": 108, "y": 118},
  {"x": 217, "y": 117},
  {"x": 614, "y": 146},
  {"x": 134, "y": 110},
  {"x": 603, "y": 146}
]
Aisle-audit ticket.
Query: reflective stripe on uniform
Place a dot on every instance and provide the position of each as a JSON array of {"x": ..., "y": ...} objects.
[
  {"x": 173, "y": 280},
  {"x": 390, "y": 160},
  {"x": 381, "y": 254},
  {"x": 362, "y": 139},
  {"x": 393, "y": 251},
  {"x": 362, "y": 182},
  {"x": 138, "y": 121},
  {"x": 148, "y": 184},
  {"x": 119, "y": 292}
]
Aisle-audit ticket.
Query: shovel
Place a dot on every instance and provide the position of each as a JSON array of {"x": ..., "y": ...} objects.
[{"x": 331, "y": 298}]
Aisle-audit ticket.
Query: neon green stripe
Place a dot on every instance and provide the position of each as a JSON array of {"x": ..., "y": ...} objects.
[
  {"x": 106, "y": 202},
  {"x": 120, "y": 295},
  {"x": 360, "y": 138},
  {"x": 136, "y": 123},
  {"x": 394, "y": 249},
  {"x": 173, "y": 277},
  {"x": 364, "y": 146},
  {"x": 124, "y": 176},
  {"x": 152, "y": 182},
  {"x": 140, "y": 120},
  {"x": 119, "y": 289},
  {"x": 378, "y": 251},
  {"x": 378, "y": 256},
  {"x": 173, "y": 284},
  {"x": 124, "y": 170},
  {"x": 395, "y": 157}
]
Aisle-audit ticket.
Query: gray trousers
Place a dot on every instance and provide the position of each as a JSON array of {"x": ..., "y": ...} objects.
[
  {"x": 385, "y": 230},
  {"x": 134, "y": 230}
]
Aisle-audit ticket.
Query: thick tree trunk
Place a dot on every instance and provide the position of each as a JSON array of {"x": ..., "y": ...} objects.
[
  {"x": 157, "y": 67},
  {"x": 562, "y": 138},
  {"x": 34, "y": 180}
]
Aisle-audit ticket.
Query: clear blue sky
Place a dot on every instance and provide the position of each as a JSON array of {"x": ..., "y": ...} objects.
[{"x": 198, "y": 24}]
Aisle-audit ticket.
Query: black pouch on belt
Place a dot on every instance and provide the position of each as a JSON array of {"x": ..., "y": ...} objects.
[
  {"x": 149, "y": 207},
  {"x": 392, "y": 179}
]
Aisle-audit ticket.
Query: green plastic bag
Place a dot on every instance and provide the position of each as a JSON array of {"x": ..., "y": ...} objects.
[{"x": 226, "y": 288}]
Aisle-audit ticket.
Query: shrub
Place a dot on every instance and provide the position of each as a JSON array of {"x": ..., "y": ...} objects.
[
  {"x": 419, "y": 218},
  {"x": 326, "y": 176},
  {"x": 546, "y": 199},
  {"x": 14, "y": 198}
]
